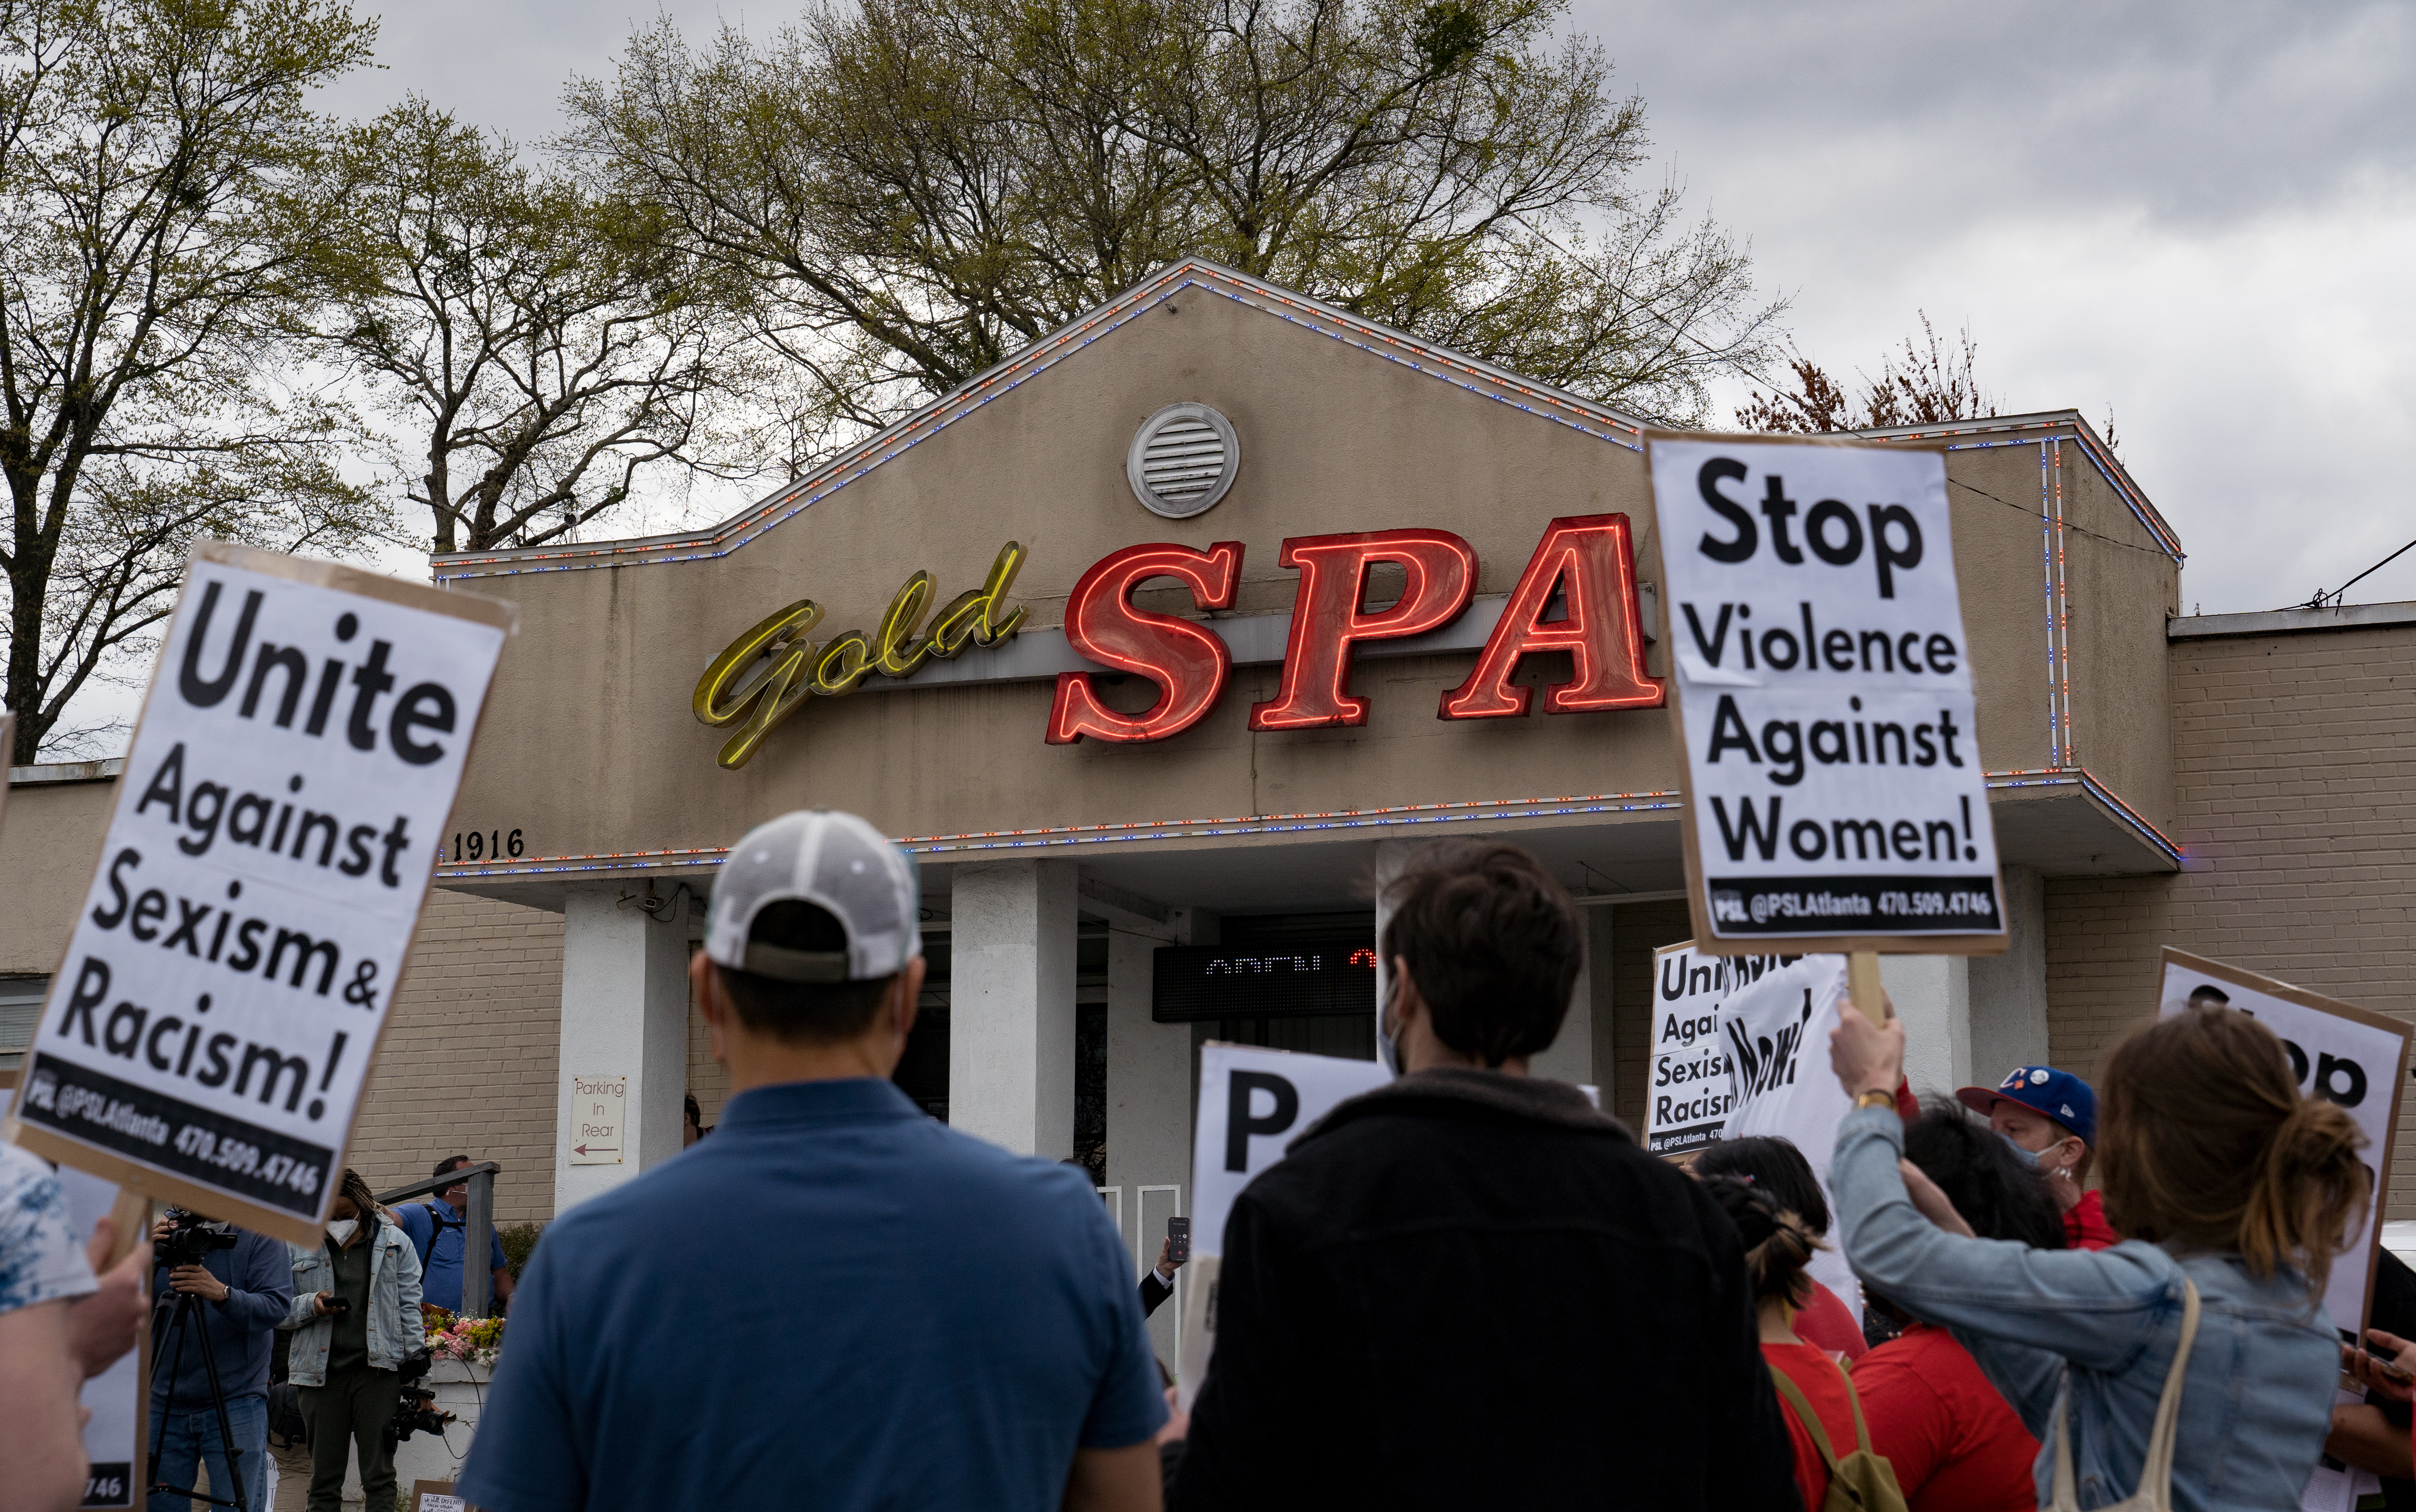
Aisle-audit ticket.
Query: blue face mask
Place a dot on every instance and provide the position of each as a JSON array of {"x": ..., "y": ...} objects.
[{"x": 2029, "y": 1158}]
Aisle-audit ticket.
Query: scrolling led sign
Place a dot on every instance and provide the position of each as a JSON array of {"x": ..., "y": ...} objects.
[{"x": 1196, "y": 982}]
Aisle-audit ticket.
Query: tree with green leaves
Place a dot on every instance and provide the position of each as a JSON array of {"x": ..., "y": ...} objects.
[
  {"x": 155, "y": 220},
  {"x": 905, "y": 191},
  {"x": 531, "y": 348}
]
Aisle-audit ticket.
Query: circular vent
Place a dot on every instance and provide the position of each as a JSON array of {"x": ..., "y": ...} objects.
[{"x": 1182, "y": 460}]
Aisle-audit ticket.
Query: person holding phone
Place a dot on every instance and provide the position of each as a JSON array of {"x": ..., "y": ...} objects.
[
  {"x": 1158, "y": 1283},
  {"x": 354, "y": 1319}
]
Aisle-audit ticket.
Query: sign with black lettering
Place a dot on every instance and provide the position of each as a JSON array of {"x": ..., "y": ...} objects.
[
  {"x": 1689, "y": 1092},
  {"x": 1834, "y": 795},
  {"x": 114, "y": 1401},
  {"x": 221, "y": 998},
  {"x": 2342, "y": 1054},
  {"x": 1253, "y": 1103}
]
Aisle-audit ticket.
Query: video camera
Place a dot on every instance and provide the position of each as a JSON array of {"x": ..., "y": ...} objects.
[
  {"x": 415, "y": 1410},
  {"x": 192, "y": 1239}
]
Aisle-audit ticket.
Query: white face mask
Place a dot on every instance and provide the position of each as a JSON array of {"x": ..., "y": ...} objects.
[{"x": 341, "y": 1229}]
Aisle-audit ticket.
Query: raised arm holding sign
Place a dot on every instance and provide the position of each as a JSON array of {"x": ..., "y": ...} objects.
[{"x": 208, "y": 1033}]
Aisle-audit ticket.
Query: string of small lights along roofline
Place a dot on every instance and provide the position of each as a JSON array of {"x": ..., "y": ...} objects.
[{"x": 2077, "y": 530}]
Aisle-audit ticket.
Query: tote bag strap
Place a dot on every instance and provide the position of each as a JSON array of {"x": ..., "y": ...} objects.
[
  {"x": 2154, "y": 1492},
  {"x": 1810, "y": 1419}
]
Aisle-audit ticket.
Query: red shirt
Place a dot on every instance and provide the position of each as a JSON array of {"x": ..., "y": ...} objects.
[
  {"x": 2085, "y": 1226},
  {"x": 1955, "y": 1446},
  {"x": 1824, "y": 1385},
  {"x": 1827, "y": 1321}
]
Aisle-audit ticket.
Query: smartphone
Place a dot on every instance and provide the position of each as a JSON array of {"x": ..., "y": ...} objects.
[
  {"x": 2385, "y": 1368},
  {"x": 336, "y": 1305},
  {"x": 1178, "y": 1233}
]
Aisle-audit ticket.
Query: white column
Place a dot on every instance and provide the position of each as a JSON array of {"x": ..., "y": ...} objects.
[
  {"x": 1011, "y": 1000},
  {"x": 1391, "y": 857},
  {"x": 2008, "y": 991},
  {"x": 1149, "y": 1097},
  {"x": 1570, "y": 1058},
  {"x": 624, "y": 1014},
  {"x": 1933, "y": 996}
]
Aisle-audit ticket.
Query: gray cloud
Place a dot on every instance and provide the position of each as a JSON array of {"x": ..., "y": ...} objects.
[{"x": 2197, "y": 216}]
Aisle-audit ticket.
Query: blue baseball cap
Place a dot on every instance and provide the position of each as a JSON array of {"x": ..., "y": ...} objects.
[{"x": 2043, "y": 1090}]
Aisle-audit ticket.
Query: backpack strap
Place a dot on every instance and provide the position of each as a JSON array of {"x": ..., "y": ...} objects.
[
  {"x": 1854, "y": 1400},
  {"x": 1810, "y": 1419},
  {"x": 436, "y": 1225}
]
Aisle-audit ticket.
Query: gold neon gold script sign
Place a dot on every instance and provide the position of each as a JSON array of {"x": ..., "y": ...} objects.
[{"x": 762, "y": 677}]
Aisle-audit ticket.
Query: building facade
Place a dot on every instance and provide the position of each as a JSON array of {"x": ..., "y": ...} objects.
[{"x": 1317, "y": 491}]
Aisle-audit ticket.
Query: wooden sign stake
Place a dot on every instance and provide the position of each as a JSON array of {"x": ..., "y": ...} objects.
[{"x": 1862, "y": 984}]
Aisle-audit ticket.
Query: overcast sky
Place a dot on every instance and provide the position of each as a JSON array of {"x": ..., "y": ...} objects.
[{"x": 2200, "y": 218}]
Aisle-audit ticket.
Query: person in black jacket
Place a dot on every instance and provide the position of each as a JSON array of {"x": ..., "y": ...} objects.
[{"x": 1469, "y": 1288}]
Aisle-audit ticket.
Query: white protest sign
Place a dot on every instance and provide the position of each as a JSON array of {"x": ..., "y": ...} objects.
[
  {"x": 1253, "y": 1102},
  {"x": 1778, "y": 1029},
  {"x": 113, "y": 1435},
  {"x": 2344, "y": 1055},
  {"x": 208, "y": 1033},
  {"x": 1690, "y": 1097},
  {"x": 1834, "y": 795}
]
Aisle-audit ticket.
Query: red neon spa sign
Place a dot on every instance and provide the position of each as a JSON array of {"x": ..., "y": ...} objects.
[{"x": 1588, "y": 559}]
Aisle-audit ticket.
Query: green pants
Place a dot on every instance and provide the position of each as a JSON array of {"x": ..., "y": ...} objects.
[{"x": 350, "y": 1410}]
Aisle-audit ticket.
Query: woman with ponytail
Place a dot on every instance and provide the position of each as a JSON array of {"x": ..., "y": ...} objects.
[
  {"x": 1823, "y": 1419},
  {"x": 2189, "y": 1366}
]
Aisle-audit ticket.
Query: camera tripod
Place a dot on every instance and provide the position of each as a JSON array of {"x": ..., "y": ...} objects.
[{"x": 188, "y": 1310}]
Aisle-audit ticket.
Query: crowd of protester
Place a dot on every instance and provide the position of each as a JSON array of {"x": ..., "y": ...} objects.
[{"x": 1467, "y": 1287}]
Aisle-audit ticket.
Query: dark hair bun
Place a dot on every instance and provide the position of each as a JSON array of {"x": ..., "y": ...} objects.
[{"x": 1751, "y": 1209}]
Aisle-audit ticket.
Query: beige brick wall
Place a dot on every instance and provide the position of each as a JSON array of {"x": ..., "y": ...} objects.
[
  {"x": 470, "y": 1053},
  {"x": 2295, "y": 789}
]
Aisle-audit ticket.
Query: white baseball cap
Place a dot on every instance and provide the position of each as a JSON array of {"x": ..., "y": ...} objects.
[{"x": 836, "y": 862}]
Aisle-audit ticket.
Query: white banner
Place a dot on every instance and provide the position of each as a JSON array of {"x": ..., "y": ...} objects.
[
  {"x": 1834, "y": 784},
  {"x": 1778, "y": 1029},
  {"x": 231, "y": 968},
  {"x": 2342, "y": 1054},
  {"x": 1253, "y": 1103},
  {"x": 112, "y": 1435}
]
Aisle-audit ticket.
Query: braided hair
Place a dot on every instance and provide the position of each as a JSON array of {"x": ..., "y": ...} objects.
[
  {"x": 363, "y": 1200},
  {"x": 1778, "y": 1243}
]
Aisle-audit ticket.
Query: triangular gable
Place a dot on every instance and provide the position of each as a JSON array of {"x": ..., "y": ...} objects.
[{"x": 1379, "y": 341}]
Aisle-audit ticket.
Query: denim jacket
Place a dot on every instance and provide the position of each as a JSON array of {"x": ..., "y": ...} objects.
[
  {"x": 2101, "y": 1327},
  {"x": 395, "y": 1331}
]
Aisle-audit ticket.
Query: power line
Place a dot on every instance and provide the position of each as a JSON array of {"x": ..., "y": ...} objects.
[
  {"x": 2077, "y": 530},
  {"x": 2317, "y": 601}
]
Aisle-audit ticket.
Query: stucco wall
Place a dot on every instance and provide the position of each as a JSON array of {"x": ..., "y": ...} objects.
[
  {"x": 2295, "y": 796},
  {"x": 597, "y": 685},
  {"x": 50, "y": 837}
]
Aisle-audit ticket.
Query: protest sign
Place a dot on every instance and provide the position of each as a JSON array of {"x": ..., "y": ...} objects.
[
  {"x": 1690, "y": 1093},
  {"x": 1253, "y": 1103},
  {"x": 1834, "y": 795},
  {"x": 2350, "y": 1056},
  {"x": 113, "y": 1434},
  {"x": 208, "y": 1031},
  {"x": 1776, "y": 1029}
]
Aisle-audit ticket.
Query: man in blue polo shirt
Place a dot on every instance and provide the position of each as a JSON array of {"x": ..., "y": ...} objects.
[
  {"x": 440, "y": 1232},
  {"x": 835, "y": 1302}
]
